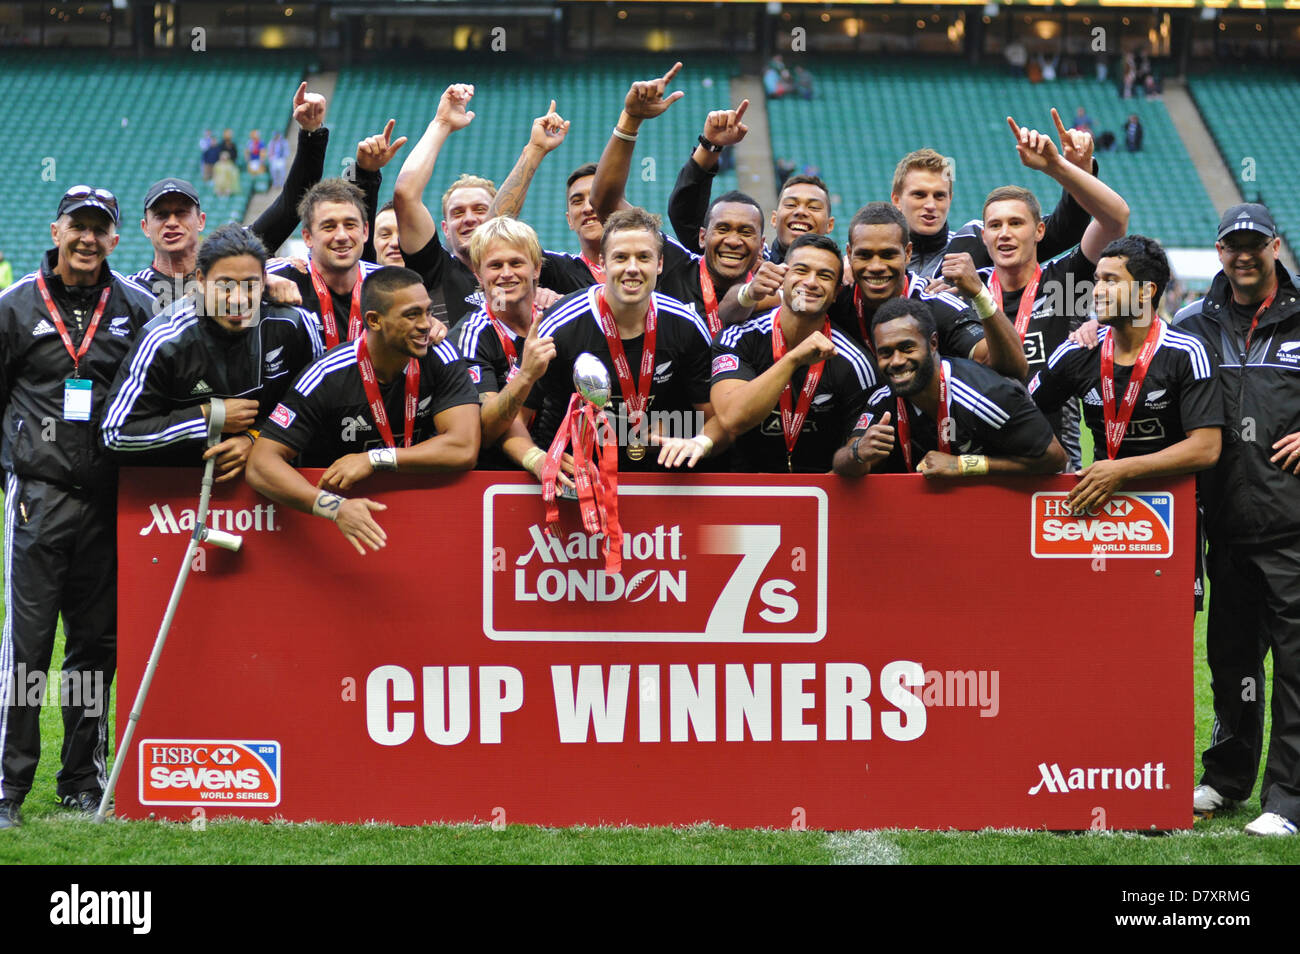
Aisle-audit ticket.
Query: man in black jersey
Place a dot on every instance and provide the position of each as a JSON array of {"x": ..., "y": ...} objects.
[
  {"x": 878, "y": 255},
  {"x": 335, "y": 228},
  {"x": 655, "y": 348},
  {"x": 501, "y": 343},
  {"x": 923, "y": 191},
  {"x": 173, "y": 220},
  {"x": 730, "y": 236},
  {"x": 1151, "y": 394},
  {"x": 387, "y": 401},
  {"x": 942, "y": 417},
  {"x": 787, "y": 386},
  {"x": 225, "y": 344}
]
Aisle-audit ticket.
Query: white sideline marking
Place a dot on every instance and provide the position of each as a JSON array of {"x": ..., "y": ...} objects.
[{"x": 863, "y": 848}]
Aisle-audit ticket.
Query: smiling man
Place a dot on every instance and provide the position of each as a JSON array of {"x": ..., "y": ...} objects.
[
  {"x": 64, "y": 331},
  {"x": 335, "y": 229},
  {"x": 787, "y": 386},
  {"x": 1250, "y": 321},
  {"x": 655, "y": 348},
  {"x": 942, "y": 417},
  {"x": 387, "y": 401},
  {"x": 224, "y": 344}
]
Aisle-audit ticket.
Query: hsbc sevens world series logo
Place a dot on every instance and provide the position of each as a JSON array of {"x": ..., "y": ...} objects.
[
  {"x": 1126, "y": 525},
  {"x": 700, "y": 564},
  {"x": 209, "y": 772}
]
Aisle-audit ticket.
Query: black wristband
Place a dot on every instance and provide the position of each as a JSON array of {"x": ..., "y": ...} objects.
[{"x": 710, "y": 146}]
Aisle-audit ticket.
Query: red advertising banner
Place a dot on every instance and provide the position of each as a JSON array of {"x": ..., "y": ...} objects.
[{"x": 888, "y": 652}]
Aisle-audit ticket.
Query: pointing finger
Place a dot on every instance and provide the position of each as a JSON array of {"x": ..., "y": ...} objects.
[
  {"x": 300, "y": 97},
  {"x": 672, "y": 72},
  {"x": 388, "y": 130},
  {"x": 1014, "y": 128},
  {"x": 740, "y": 110},
  {"x": 1060, "y": 126}
]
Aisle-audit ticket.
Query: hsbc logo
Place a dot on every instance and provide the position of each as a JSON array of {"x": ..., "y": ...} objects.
[
  {"x": 720, "y": 572},
  {"x": 207, "y": 772},
  {"x": 1055, "y": 781},
  {"x": 1126, "y": 525}
]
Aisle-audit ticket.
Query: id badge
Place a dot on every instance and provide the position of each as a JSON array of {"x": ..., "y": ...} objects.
[{"x": 76, "y": 399}]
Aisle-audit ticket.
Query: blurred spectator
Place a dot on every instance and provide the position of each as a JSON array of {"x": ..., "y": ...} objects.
[
  {"x": 1106, "y": 141},
  {"x": 211, "y": 153},
  {"x": 6, "y": 271},
  {"x": 278, "y": 154},
  {"x": 1016, "y": 56},
  {"x": 803, "y": 83},
  {"x": 1048, "y": 68},
  {"x": 1082, "y": 120},
  {"x": 1130, "y": 75},
  {"x": 227, "y": 144},
  {"x": 1102, "y": 67},
  {"x": 776, "y": 78},
  {"x": 225, "y": 175},
  {"x": 1133, "y": 134},
  {"x": 255, "y": 154}
]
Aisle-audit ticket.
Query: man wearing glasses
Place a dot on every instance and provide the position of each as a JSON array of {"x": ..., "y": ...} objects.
[
  {"x": 1250, "y": 319},
  {"x": 64, "y": 329}
]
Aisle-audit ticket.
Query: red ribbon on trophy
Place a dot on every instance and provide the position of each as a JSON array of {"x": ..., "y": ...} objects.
[{"x": 595, "y": 460}]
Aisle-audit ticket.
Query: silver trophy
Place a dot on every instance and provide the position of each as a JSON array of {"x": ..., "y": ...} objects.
[{"x": 591, "y": 380}]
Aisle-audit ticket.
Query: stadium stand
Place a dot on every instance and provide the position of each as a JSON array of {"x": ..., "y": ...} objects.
[
  {"x": 1270, "y": 174},
  {"x": 867, "y": 115},
  {"x": 123, "y": 125},
  {"x": 507, "y": 97}
]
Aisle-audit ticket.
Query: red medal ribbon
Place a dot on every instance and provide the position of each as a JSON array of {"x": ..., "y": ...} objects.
[
  {"x": 507, "y": 341},
  {"x": 78, "y": 353},
  {"x": 595, "y": 475},
  {"x": 597, "y": 272},
  {"x": 1027, "y": 299},
  {"x": 370, "y": 382},
  {"x": 946, "y": 426},
  {"x": 862, "y": 318},
  {"x": 792, "y": 421},
  {"x": 711, "y": 315},
  {"x": 1254, "y": 322},
  {"x": 327, "y": 310},
  {"x": 1117, "y": 423},
  {"x": 636, "y": 402}
]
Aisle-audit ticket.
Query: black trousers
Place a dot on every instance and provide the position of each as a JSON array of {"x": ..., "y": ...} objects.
[
  {"x": 1254, "y": 610},
  {"x": 60, "y": 558}
]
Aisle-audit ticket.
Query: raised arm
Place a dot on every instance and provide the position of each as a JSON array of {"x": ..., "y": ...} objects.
[
  {"x": 644, "y": 100},
  {"x": 544, "y": 137},
  {"x": 415, "y": 225},
  {"x": 280, "y": 219},
  {"x": 688, "y": 205},
  {"x": 373, "y": 153}
]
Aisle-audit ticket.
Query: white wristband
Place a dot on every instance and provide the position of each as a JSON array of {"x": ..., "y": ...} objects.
[
  {"x": 742, "y": 296},
  {"x": 705, "y": 442},
  {"x": 984, "y": 305},
  {"x": 531, "y": 458},
  {"x": 383, "y": 458},
  {"x": 327, "y": 505}
]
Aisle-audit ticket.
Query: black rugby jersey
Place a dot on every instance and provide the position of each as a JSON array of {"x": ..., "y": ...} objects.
[
  {"x": 1181, "y": 391},
  {"x": 743, "y": 352},
  {"x": 960, "y": 329}
]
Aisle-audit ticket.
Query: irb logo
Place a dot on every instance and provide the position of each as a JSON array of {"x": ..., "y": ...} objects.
[
  {"x": 736, "y": 564},
  {"x": 209, "y": 772},
  {"x": 1126, "y": 525}
]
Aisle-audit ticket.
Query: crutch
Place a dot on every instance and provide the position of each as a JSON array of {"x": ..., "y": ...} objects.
[{"x": 202, "y": 534}]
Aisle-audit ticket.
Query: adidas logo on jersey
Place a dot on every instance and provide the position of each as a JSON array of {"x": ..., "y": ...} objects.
[
  {"x": 202, "y": 388},
  {"x": 43, "y": 327},
  {"x": 1092, "y": 397}
]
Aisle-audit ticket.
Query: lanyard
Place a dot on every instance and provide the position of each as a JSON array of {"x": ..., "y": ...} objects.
[
  {"x": 947, "y": 428},
  {"x": 711, "y": 316},
  {"x": 863, "y": 330},
  {"x": 792, "y": 420},
  {"x": 507, "y": 341},
  {"x": 327, "y": 310},
  {"x": 79, "y": 353},
  {"x": 1117, "y": 423},
  {"x": 597, "y": 272},
  {"x": 371, "y": 385},
  {"x": 636, "y": 401},
  {"x": 1254, "y": 322},
  {"x": 1027, "y": 299}
]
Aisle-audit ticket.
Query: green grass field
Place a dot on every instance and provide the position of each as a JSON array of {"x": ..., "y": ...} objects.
[{"x": 52, "y": 835}]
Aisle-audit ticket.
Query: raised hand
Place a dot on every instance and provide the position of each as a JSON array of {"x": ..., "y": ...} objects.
[
  {"x": 723, "y": 127},
  {"x": 308, "y": 109},
  {"x": 816, "y": 347},
  {"x": 1076, "y": 144},
  {"x": 451, "y": 107},
  {"x": 548, "y": 131},
  {"x": 1037, "y": 151},
  {"x": 959, "y": 271},
  {"x": 374, "y": 152},
  {"x": 646, "y": 99},
  {"x": 538, "y": 352}
]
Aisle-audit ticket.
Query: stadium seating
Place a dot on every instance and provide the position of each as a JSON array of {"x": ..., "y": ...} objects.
[
  {"x": 122, "y": 125},
  {"x": 1265, "y": 167},
  {"x": 867, "y": 114},
  {"x": 508, "y": 95}
]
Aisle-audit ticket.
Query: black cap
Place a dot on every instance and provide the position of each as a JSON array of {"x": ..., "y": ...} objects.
[
  {"x": 83, "y": 196},
  {"x": 168, "y": 186},
  {"x": 1249, "y": 215}
]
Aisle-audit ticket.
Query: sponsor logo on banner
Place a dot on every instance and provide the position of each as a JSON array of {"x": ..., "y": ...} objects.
[
  {"x": 209, "y": 772},
  {"x": 724, "y": 363},
  {"x": 1126, "y": 525},
  {"x": 255, "y": 519},
  {"x": 735, "y": 564},
  {"x": 1053, "y": 780}
]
